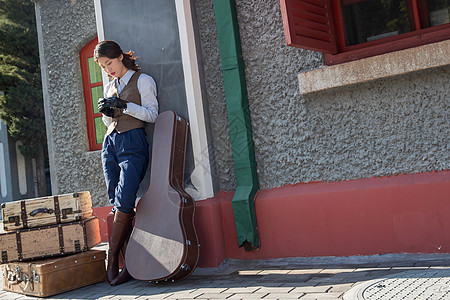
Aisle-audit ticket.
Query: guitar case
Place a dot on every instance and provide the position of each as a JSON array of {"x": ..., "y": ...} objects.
[{"x": 164, "y": 244}]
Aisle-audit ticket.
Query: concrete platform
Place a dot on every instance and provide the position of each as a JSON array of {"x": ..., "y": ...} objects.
[{"x": 287, "y": 278}]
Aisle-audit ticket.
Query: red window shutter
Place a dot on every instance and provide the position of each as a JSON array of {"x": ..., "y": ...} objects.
[{"x": 308, "y": 24}]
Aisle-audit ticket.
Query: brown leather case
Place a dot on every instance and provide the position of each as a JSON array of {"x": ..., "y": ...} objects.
[
  {"x": 43, "y": 278},
  {"x": 49, "y": 241},
  {"x": 37, "y": 212}
]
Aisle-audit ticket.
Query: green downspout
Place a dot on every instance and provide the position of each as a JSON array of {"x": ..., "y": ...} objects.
[{"x": 233, "y": 71}]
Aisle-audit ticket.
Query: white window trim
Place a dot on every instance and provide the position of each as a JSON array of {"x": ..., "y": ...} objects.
[
  {"x": 376, "y": 67},
  {"x": 201, "y": 176}
]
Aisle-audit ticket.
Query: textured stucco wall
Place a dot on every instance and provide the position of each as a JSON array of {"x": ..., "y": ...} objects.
[
  {"x": 378, "y": 128},
  {"x": 64, "y": 28},
  {"x": 215, "y": 94}
]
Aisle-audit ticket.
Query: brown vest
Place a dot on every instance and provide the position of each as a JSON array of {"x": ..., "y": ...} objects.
[{"x": 130, "y": 93}]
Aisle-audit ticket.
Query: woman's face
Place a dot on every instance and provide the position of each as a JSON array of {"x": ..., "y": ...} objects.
[{"x": 112, "y": 66}]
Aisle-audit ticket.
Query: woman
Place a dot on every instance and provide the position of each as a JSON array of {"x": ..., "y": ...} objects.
[{"x": 130, "y": 101}]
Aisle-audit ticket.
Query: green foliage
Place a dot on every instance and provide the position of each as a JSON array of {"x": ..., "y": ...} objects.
[{"x": 21, "y": 105}]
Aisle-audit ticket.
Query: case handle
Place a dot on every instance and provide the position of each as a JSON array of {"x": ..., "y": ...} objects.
[
  {"x": 13, "y": 276},
  {"x": 41, "y": 211},
  {"x": 17, "y": 276}
]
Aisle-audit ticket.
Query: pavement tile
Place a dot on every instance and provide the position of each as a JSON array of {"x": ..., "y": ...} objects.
[
  {"x": 326, "y": 280},
  {"x": 360, "y": 270},
  {"x": 305, "y": 271},
  {"x": 211, "y": 290},
  {"x": 293, "y": 279},
  {"x": 368, "y": 265},
  {"x": 249, "y": 272},
  {"x": 320, "y": 296},
  {"x": 337, "y": 271},
  {"x": 359, "y": 273},
  {"x": 158, "y": 296},
  {"x": 298, "y": 284},
  {"x": 214, "y": 296},
  {"x": 378, "y": 274},
  {"x": 424, "y": 267},
  {"x": 277, "y": 290},
  {"x": 243, "y": 290},
  {"x": 152, "y": 294},
  {"x": 430, "y": 263},
  {"x": 283, "y": 296},
  {"x": 191, "y": 295},
  {"x": 348, "y": 277},
  {"x": 311, "y": 289},
  {"x": 407, "y": 264},
  {"x": 188, "y": 298},
  {"x": 340, "y": 288},
  {"x": 269, "y": 272},
  {"x": 184, "y": 295},
  {"x": 248, "y": 296},
  {"x": 439, "y": 267},
  {"x": 251, "y": 284}
]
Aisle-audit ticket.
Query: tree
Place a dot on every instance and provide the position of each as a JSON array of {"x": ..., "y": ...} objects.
[{"x": 21, "y": 103}]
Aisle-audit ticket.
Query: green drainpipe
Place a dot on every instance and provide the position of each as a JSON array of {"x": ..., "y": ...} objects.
[{"x": 233, "y": 71}]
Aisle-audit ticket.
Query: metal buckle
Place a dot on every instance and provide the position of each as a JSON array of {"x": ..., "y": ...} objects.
[{"x": 4, "y": 257}]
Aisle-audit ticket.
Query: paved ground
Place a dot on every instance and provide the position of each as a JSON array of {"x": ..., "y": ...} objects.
[{"x": 358, "y": 277}]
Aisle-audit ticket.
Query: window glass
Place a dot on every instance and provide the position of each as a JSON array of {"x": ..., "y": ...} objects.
[
  {"x": 369, "y": 20},
  {"x": 439, "y": 12},
  {"x": 100, "y": 129},
  {"x": 96, "y": 92},
  {"x": 95, "y": 72}
]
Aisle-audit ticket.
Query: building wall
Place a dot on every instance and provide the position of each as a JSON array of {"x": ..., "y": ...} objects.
[
  {"x": 384, "y": 127},
  {"x": 64, "y": 27}
]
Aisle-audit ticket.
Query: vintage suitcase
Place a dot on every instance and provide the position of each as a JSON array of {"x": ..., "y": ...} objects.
[
  {"x": 48, "y": 241},
  {"x": 43, "y": 278},
  {"x": 49, "y": 210}
]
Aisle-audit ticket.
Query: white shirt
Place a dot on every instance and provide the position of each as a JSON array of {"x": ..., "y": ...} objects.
[{"x": 148, "y": 110}]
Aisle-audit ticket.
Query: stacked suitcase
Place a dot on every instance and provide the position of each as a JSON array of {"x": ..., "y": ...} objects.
[{"x": 46, "y": 245}]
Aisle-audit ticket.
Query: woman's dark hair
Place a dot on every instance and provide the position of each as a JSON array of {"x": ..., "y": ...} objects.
[{"x": 111, "y": 49}]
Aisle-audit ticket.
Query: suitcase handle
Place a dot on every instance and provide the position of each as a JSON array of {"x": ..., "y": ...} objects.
[
  {"x": 41, "y": 211},
  {"x": 17, "y": 276},
  {"x": 14, "y": 276}
]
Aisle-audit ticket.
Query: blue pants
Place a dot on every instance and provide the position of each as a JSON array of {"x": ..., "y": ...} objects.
[{"x": 125, "y": 158}]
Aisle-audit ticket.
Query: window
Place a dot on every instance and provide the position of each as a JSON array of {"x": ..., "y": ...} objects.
[
  {"x": 91, "y": 74},
  {"x": 347, "y": 30}
]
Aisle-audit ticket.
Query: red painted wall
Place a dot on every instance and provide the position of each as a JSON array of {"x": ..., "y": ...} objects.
[{"x": 398, "y": 214}]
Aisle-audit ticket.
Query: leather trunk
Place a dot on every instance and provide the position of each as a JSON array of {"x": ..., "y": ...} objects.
[
  {"x": 43, "y": 278},
  {"x": 49, "y": 241},
  {"x": 37, "y": 212}
]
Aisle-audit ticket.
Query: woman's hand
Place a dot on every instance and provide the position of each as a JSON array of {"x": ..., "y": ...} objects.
[
  {"x": 112, "y": 106},
  {"x": 111, "y": 102}
]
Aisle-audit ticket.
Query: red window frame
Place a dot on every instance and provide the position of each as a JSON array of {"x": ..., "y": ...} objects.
[
  {"x": 85, "y": 53},
  {"x": 317, "y": 25}
]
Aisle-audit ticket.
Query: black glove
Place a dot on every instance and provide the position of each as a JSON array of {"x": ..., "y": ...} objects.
[
  {"x": 111, "y": 102},
  {"x": 110, "y": 112},
  {"x": 112, "y": 107}
]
